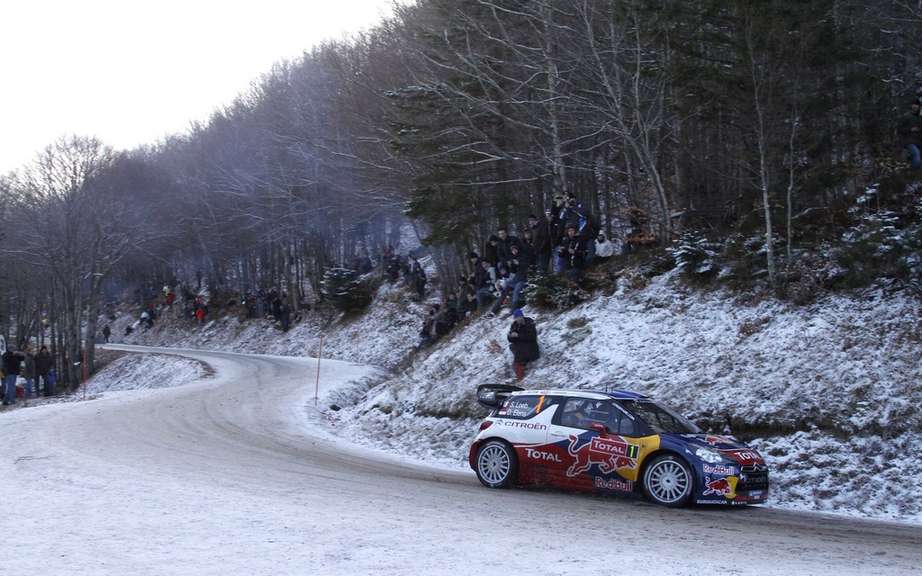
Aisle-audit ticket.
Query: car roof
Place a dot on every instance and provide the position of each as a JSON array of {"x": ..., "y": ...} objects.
[{"x": 593, "y": 394}]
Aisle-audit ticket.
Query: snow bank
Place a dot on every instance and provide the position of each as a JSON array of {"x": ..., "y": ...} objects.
[
  {"x": 146, "y": 371},
  {"x": 831, "y": 389},
  {"x": 383, "y": 336}
]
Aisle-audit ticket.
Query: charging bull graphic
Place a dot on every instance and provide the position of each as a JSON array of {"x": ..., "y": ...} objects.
[
  {"x": 609, "y": 453},
  {"x": 725, "y": 487}
]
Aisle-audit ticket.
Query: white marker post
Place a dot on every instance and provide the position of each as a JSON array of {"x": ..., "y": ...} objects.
[{"x": 317, "y": 385}]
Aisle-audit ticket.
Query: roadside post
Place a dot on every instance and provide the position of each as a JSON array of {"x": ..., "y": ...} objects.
[
  {"x": 317, "y": 384},
  {"x": 86, "y": 370}
]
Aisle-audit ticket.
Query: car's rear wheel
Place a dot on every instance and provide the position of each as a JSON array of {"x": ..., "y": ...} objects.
[
  {"x": 496, "y": 464},
  {"x": 668, "y": 481}
]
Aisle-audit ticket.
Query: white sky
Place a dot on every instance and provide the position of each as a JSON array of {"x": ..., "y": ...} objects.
[{"x": 132, "y": 71}]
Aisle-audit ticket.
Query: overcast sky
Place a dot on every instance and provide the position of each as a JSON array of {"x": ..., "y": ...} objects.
[{"x": 132, "y": 71}]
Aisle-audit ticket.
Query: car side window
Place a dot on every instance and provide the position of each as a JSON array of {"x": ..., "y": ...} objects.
[
  {"x": 621, "y": 423},
  {"x": 521, "y": 407},
  {"x": 583, "y": 412}
]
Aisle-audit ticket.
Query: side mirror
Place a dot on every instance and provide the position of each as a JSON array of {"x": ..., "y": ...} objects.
[{"x": 599, "y": 427}]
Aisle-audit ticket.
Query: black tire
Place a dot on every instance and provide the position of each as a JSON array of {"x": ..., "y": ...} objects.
[
  {"x": 668, "y": 481},
  {"x": 497, "y": 465}
]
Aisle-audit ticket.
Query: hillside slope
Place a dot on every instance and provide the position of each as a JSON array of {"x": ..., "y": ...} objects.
[{"x": 828, "y": 392}]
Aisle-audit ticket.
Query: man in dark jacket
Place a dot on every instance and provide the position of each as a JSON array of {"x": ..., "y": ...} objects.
[
  {"x": 514, "y": 283},
  {"x": 523, "y": 342},
  {"x": 543, "y": 243},
  {"x": 910, "y": 131},
  {"x": 12, "y": 367},
  {"x": 504, "y": 245},
  {"x": 573, "y": 250},
  {"x": 44, "y": 362}
]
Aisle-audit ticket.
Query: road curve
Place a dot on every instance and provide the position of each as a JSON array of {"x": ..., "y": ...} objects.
[{"x": 228, "y": 476}]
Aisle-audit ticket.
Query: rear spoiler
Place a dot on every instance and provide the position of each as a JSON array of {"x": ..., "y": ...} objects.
[{"x": 493, "y": 395}]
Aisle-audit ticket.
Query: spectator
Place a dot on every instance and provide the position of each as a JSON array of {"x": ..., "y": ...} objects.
[
  {"x": 467, "y": 300},
  {"x": 170, "y": 298},
  {"x": 514, "y": 283},
  {"x": 28, "y": 373},
  {"x": 910, "y": 131},
  {"x": 44, "y": 365},
  {"x": 200, "y": 314},
  {"x": 418, "y": 278},
  {"x": 544, "y": 240},
  {"x": 491, "y": 251},
  {"x": 604, "y": 248},
  {"x": 502, "y": 276},
  {"x": 284, "y": 315},
  {"x": 504, "y": 245},
  {"x": 12, "y": 367},
  {"x": 275, "y": 304},
  {"x": 527, "y": 249},
  {"x": 474, "y": 260},
  {"x": 392, "y": 268},
  {"x": 106, "y": 332},
  {"x": 484, "y": 281},
  {"x": 523, "y": 342},
  {"x": 146, "y": 319},
  {"x": 573, "y": 251},
  {"x": 428, "y": 333}
]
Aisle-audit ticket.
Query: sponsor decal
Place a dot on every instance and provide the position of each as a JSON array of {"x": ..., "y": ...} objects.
[
  {"x": 719, "y": 469},
  {"x": 609, "y": 453},
  {"x": 725, "y": 487},
  {"x": 744, "y": 456},
  {"x": 616, "y": 484},
  {"x": 715, "y": 440},
  {"x": 542, "y": 455},
  {"x": 520, "y": 424}
]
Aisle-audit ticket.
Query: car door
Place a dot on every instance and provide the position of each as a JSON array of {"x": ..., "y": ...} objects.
[{"x": 578, "y": 421}]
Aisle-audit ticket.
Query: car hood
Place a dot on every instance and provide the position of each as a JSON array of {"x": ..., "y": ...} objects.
[
  {"x": 713, "y": 441},
  {"x": 731, "y": 448}
]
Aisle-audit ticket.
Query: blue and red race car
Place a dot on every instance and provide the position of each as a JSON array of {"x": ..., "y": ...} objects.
[{"x": 610, "y": 442}]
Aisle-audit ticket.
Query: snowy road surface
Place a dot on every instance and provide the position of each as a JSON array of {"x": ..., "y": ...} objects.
[{"x": 228, "y": 476}]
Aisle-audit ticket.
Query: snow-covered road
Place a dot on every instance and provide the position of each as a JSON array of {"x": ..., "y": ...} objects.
[{"x": 232, "y": 475}]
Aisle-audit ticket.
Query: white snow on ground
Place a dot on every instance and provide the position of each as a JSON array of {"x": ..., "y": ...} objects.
[
  {"x": 359, "y": 339},
  {"x": 828, "y": 392},
  {"x": 145, "y": 371}
]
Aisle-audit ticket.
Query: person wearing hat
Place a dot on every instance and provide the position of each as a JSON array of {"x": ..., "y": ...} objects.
[
  {"x": 910, "y": 131},
  {"x": 523, "y": 342}
]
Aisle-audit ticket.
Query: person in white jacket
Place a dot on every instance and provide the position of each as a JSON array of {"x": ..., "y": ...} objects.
[{"x": 604, "y": 249}]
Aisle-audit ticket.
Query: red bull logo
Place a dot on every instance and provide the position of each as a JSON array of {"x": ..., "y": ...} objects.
[
  {"x": 609, "y": 453},
  {"x": 725, "y": 487}
]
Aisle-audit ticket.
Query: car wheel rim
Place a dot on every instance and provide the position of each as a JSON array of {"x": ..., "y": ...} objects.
[
  {"x": 667, "y": 481},
  {"x": 494, "y": 464}
]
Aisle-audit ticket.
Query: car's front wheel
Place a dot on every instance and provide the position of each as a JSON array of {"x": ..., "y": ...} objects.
[
  {"x": 496, "y": 464},
  {"x": 668, "y": 481}
]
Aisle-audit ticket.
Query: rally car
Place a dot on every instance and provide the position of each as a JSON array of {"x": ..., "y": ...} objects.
[{"x": 610, "y": 443}]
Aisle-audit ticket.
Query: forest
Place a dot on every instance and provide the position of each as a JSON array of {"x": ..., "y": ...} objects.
[{"x": 762, "y": 132}]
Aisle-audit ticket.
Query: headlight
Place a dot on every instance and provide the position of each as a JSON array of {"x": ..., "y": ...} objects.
[{"x": 709, "y": 456}]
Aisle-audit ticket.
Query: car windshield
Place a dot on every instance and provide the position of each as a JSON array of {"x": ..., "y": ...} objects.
[{"x": 661, "y": 419}]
